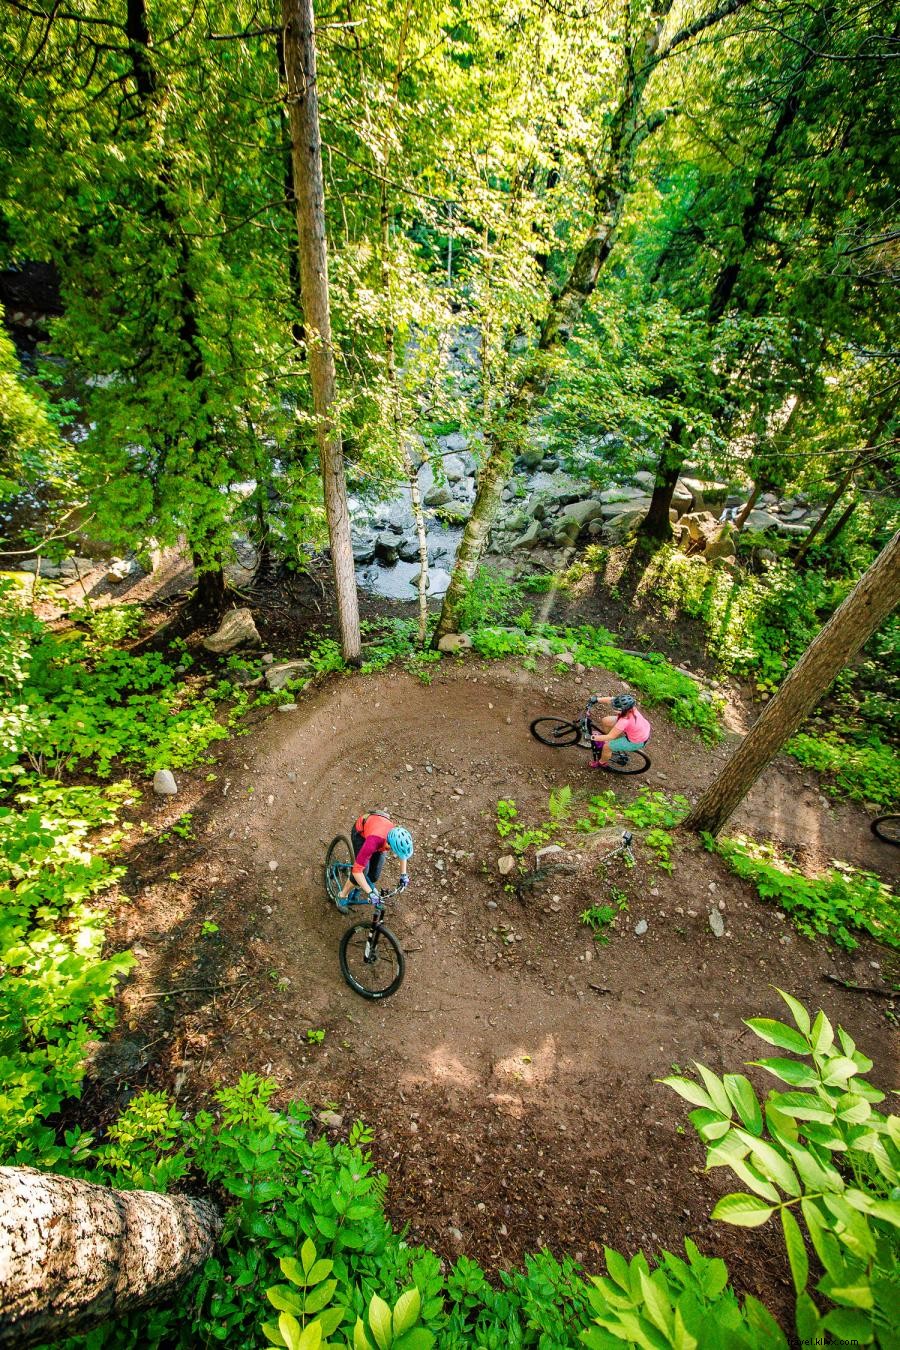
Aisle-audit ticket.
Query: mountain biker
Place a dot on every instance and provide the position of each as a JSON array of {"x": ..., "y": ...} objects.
[
  {"x": 627, "y": 730},
  {"x": 373, "y": 836}
]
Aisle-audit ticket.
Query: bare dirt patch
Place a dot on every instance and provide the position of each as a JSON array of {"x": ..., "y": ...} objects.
[{"x": 511, "y": 1080}]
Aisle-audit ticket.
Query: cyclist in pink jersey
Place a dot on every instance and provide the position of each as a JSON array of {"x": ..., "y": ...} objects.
[{"x": 627, "y": 730}]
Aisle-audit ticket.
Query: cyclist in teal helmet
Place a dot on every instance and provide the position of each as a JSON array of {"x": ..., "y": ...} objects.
[{"x": 373, "y": 837}]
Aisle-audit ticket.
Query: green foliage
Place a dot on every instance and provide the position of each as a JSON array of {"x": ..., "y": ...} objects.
[
  {"x": 865, "y": 773},
  {"x": 603, "y": 809},
  {"x": 819, "y": 1154},
  {"x": 600, "y": 917},
  {"x": 490, "y": 599},
  {"x": 840, "y": 904},
  {"x": 653, "y": 808},
  {"x": 56, "y": 990}
]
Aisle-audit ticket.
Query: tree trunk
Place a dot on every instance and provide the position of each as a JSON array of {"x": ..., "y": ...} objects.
[
  {"x": 840, "y": 522},
  {"x": 656, "y": 523},
  {"x": 73, "y": 1255},
  {"x": 832, "y": 502},
  {"x": 208, "y": 599},
  {"x": 303, "y": 109},
  {"x": 610, "y": 193},
  {"x": 868, "y": 604},
  {"x": 751, "y": 501}
]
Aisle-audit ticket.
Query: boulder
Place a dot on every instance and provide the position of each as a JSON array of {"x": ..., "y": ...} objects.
[
  {"x": 706, "y": 492},
  {"x": 530, "y": 538},
  {"x": 386, "y": 550},
  {"x": 621, "y": 494},
  {"x": 439, "y": 495},
  {"x": 758, "y": 521},
  {"x": 721, "y": 546},
  {"x": 48, "y": 570},
  {"x": 408, "y": 548},
  {"x": 454, "y": 469},
  {"x": 700, "y": 525},
  {"x": 610, "y": 510},
  {"x": 164, "y": 784},
  {"x": 582, "y": 513},
  {"x": 457, "y": 441},
  {"x": 363, "y": 550},
  {"x": 438, "y": 580},
  {"x": 532, "y": 457},
  {"x": 622, "y": 527},
  {"x": 682, "y": 498},
  {"x": 236, "y": 629},
  {"x": 120, "y": 570},
  {"x": 76, "y": 567},
  {"x": 278, "y": 676},
  {"x": 645, "y": 479},
  {"x": 454, "y": 642}
]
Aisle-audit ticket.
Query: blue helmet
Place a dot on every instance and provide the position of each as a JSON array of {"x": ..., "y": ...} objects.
[
  {"x": 624, "y": 702},
  {"x": 400, "y": 842}
]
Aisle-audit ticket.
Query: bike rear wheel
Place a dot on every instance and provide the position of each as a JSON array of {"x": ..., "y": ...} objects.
[
  {"x": 555, "y": 731},
  {"x": 887, "y": 828},
  {"x": 628, "y": 761},
  {"x": 372, "y": 961},
  {"x": 338, "y": 861}
]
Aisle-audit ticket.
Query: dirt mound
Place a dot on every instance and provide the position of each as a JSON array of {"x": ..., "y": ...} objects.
[{"x": 511, "y": 1081}]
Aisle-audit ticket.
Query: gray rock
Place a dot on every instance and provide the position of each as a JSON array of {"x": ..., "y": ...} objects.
[
  {"x": 530, "y": 538},
  {"x": 722, "y": 546},
  {"x": 439, "y": 495},
  {"x": 622, "y": 527},
  {"x": 532, "y": 457},
  {"x": 363, "y": 550},
  {"x": 438, "y": 580},
  {"x": 609, "y": 510},
  {"x": 386, "y": 550},
  {"x": 641, "y": 927},
  {"x": 704, "y": 490},
  {"x": 408, "y": 549},
  {"x": 332, "y": 1120},
  {"x": 454, "y": 469},
  {"x": 645, "y": 479},
  {"x": 287, "y": 707},
  {"x": 454, "y": 642},
  {"x": 682, "y": 497},
  {"x": 164, "y": 784},
  {"x": 48, "y": 570},
  {"x": 716, "y": 923},
  {"x": 761, "y": 520},
  {"x": 506, "y": 864},
  {"x": 621, "y": 494},
  {"x": 278, "y": 676},
  {"x": 120, "y": 569},
  {"x": 236, "y": 629},
  {"x": 457, "y": 441},
  {"x": 76, "y": 567},
  {"x": 581, "y": 513}
]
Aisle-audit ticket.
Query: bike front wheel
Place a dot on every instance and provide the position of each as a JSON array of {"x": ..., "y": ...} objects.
[
  {"x": 555, "y": 731},
  {"x": 338, "y": 861},
  {"x": 887, "y": 828},
  {"x": 372, "y": 961},
  {"x": 628, "y": 761}
]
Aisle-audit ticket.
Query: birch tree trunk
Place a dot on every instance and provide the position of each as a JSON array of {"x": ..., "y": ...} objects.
[
  {"x": 73, "y": 1255},
  {"x": 868, "y": 605},
  {"x": 303, "y": 110},
  {"x": 610, "y": 189}
]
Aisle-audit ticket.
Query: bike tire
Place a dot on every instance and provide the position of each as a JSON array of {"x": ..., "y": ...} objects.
[
  {"x": 887, "y": 829},
  {"x": 340, "y": 852},
  {"x": 636, "y": 762},
  {"x": 555, "y": 731},
  {"x": 379, "y": 977}
]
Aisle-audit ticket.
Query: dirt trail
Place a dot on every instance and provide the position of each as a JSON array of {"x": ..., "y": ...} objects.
[{"x": 511, "y": 1079}]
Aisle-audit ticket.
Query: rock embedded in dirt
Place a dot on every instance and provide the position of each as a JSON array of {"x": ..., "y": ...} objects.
[
  {"x": 287, "y": 707},
  {"x": 278, "y": 676},
  {"x": 332, "y": 1120},
  {"x": 506, "y": 864},
  {"x": 641, "y": 927},
  {"x": 164, "y": 784},
  {"x": 716, "y": 923},
  {"x": 235, "y": 630},
  {"x": 454, "y": 642}
]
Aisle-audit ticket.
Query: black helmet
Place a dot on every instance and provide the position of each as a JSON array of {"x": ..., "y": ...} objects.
[{"x": 624, "y": 702}]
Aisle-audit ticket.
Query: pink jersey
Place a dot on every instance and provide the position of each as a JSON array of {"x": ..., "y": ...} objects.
[{"x": 633, "y": 726}]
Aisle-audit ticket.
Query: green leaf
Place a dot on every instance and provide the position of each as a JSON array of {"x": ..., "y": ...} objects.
[
  {"x": 293, "y": 1271},
  {"x": 380, "y": 1322},
  {"x": 746, "y": 1172},
  {"x": 792, "y": 1071},
  {"x": 776, "y": 1033},
  {"x": 317, "y": 1298},
  {"x": 796, "y": 1250},
  {"x": 691, "y": 1092},
  {"x": 618, "y": 1268},
  {"x": 849, "y": 1325},
  {"x": 822, "y": 1035},
  {"x": 709, "y": 1125},
  {"x": 744, "y": 1099},
  {"x": 308, "y": 1255},
  {"x": 420, "y": 1338},
  {"x": 360, "y": 1339},
  {"x": 271, "y": 1333},
  {"x": 808, "y": 1319},
  {"x": 282, "y": 1297},
  {"x": 774, "y": 1165},
  {"x": 330, "y": 1320},
  {"x": 803, "y": 1106},
  {"x": 716, "y": 1089},
  {"x": 310, "y": 1337},
  {"x": 838, "y": 1071},
  {"x": 406, "y": 1311},
  {"x": 746, "y": 1211},
  {"x": 800, "y": 1015},
  {"x": 320, "y": 1271},
  {"x": 656, "y": 1302},
  {"x": 290, "y": 1330}
]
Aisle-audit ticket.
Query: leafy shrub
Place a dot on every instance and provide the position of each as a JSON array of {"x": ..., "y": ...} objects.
[
  {"x": 649, "y": 809},
  {"x": 56, "y": 989},
  {"x": 490, "y": 598},
  {"x": 865, "y": 773},
  {"x": 839, "y": 904},
  {"x": 818, "y": 1152}
]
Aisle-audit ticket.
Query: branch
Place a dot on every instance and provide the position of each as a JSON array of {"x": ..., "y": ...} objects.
[
  {"x": 247, "y": 33},
  {"x": 705, "y": 21},
  {"x": 390, "y": 182}
]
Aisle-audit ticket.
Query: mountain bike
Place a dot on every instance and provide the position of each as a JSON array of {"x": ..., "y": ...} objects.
[
  {"x": 372, "y": 960},
  {"x": 559, "y": 733},
  {"x": 887, "y": 828}
]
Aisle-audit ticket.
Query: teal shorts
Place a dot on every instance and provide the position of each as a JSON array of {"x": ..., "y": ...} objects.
[{"x": 623, "y": 743}]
